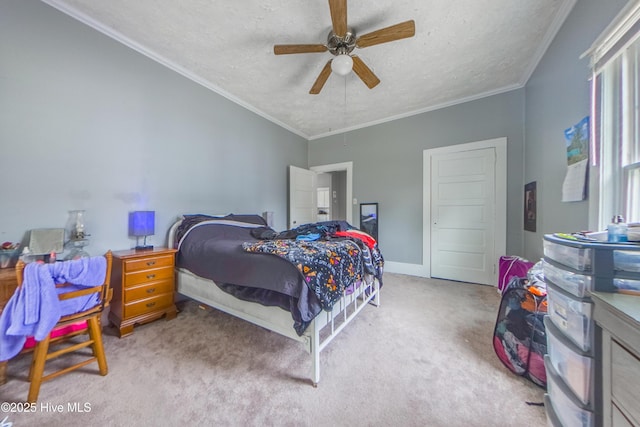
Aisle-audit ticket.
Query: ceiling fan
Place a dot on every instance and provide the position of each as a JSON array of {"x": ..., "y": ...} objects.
[{"x": 341, "y": 41}]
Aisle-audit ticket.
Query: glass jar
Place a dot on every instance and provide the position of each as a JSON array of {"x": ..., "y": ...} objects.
[{"x": 75, "y": 225}]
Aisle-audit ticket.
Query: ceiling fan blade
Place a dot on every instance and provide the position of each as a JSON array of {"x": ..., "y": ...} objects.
[
  {"x": 339, "y": 16},
  {"x": 364, "y": 72},
  {"x": 285, "y": 49},
  {"x": 322, "y": 79},
  {"x": 399, "y": 31}
]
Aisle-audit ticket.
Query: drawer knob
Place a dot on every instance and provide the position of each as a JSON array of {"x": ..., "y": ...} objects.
[
  {"x": 151, "y": 304},
  {"x": 151, "y": 290},
  {"x": 150, "y": 276},
  {"x": 150, "y": 263}
]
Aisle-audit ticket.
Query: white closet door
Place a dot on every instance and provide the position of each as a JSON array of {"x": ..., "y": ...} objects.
[{"x": 463, "y": 215}]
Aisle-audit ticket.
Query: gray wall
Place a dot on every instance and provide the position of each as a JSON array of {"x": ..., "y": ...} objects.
[
  {"x": 557, "y": 97},
  {"x": 324, "y": 180},
  {"x": 87, "y": 123},
  {"x": 387, "y": 165}
]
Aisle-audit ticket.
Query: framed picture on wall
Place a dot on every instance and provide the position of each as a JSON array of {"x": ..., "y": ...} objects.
[
  {"x": 530, "y": 198},
  {"x": 369, "y": 219}
]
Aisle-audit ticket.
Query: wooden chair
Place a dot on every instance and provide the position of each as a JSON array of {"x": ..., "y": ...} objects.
[{"x": 92, "y": 316}]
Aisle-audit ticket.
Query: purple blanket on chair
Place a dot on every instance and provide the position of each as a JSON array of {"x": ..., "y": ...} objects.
[{"x": 34, "y": 309}]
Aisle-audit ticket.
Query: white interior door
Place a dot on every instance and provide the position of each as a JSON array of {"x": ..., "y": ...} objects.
[
  {"x": 303, "y": 193},
  {"x": 463, "y": 217}
]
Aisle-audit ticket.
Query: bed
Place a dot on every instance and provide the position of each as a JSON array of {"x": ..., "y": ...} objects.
[{"x": 236, "y": 264}]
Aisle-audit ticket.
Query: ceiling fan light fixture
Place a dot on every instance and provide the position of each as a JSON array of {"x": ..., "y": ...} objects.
[
  {"x": 342, "y": 64},
  {"x": 341, "y": 41}
]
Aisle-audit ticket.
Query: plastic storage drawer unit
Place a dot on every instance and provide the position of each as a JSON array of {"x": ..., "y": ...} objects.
[
  {"x": 626, "y": 261},
  {"x": 574, "y": 367},
  {"x": 564, "y": 406},
  {"x": 576, "y": 258},
  {"x": 579, "y": 285},
  {"x": 572, "y": 316},
  {"x": 552, "y": 418},
  {"x": 627, "y": 285}
]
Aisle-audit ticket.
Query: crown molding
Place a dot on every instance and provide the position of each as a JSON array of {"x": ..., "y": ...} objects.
[
  {"x": 551, "y": 33},
  {"x": 420, "y": 111}
]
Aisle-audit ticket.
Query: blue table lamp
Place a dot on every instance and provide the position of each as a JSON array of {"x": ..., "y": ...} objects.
[{"x": 142, "y": 224}]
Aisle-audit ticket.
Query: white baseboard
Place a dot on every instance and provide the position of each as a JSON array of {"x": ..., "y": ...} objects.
[{"x": 405, "y": 268}]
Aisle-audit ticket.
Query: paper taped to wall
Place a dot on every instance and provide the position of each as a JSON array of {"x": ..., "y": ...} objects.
[
  {"x": 574, "y": 185},
  {"x": 576, "y": 137}
]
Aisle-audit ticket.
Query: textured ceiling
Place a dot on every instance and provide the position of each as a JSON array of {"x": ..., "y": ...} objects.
[{"x": 462, "y": 50}]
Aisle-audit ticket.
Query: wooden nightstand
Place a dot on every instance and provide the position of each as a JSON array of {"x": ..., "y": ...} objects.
[{"x": 143, "y": 285}]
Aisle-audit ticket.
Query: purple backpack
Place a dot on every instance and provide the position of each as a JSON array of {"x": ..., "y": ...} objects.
[{"x": 509, "y": 267}]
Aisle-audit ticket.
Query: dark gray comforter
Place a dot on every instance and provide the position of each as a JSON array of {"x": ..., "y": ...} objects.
[{"x": 212, "y": 248}]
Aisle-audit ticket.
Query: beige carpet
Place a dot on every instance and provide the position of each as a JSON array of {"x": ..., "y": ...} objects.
[{"x": 423, "y": 358}]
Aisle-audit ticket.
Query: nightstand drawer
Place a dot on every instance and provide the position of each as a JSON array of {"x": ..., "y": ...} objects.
[
  {"x": 148, "y": 263},
  {"x": 133, "y": 294},
  {"x": 148, "y": 305},
  {"x": 132, "y": 279}
]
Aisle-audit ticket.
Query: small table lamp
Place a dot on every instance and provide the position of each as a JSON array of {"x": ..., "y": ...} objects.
[{"x": 142, "y": 223}]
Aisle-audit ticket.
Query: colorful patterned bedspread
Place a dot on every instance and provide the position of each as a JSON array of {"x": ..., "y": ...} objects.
[{"x": 329, "y": 267}]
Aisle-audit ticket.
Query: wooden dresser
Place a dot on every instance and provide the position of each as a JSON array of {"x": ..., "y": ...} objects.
[
  {"x": 143, "y": 285},
  {"x": 8, "y": 284},
  {"x": 618, "y": 320}
]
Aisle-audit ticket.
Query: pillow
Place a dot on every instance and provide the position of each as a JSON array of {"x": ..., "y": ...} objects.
[
  {"x": 191, "y": 220},
  {"x": 248, "y": 218}
]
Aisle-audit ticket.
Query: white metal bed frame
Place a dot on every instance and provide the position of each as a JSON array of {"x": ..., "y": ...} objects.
[{"x": 322, "y": 330}]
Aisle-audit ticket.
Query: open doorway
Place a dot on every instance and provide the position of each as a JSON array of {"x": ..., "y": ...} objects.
[
  {"x": 340, "y": 190},
  {"x": 325, "y": 213},
  {"x": 332, "y": 194},
  {"x": 303, "y": 186}
]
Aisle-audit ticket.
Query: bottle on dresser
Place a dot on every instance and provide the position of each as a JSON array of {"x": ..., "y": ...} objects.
[{"x": 617, "y": 230}]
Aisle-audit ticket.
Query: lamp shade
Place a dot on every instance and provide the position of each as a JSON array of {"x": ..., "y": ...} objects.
[
  {"x": 342, "y": 64},
  {"x": 141, "y": 223}
]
